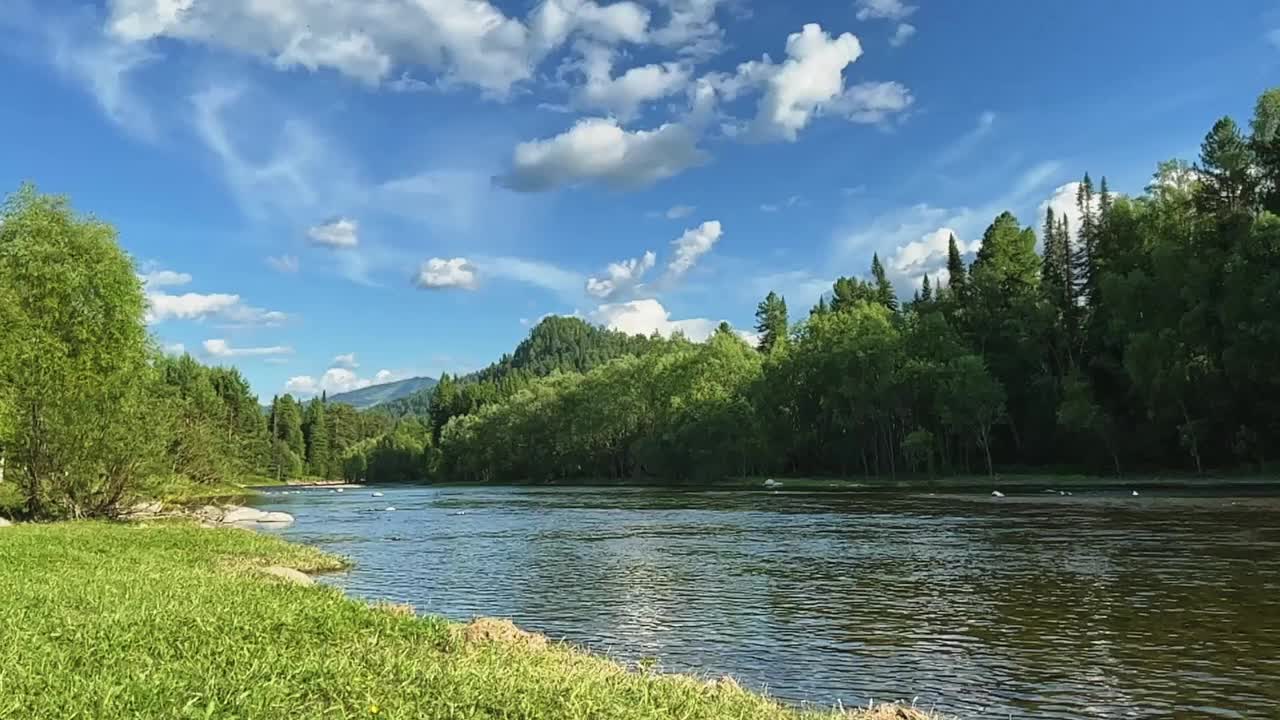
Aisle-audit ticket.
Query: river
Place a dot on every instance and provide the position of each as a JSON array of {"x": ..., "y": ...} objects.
[{"x": 1090, "y": 606}]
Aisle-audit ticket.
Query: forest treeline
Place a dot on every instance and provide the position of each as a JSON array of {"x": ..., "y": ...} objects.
[
  {"x": 1144, "y": 337},
  {"x": 1147, "y": 337}
]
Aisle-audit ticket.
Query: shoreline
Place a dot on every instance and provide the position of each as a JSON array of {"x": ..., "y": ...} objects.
[{"x": 237, "y": 624}]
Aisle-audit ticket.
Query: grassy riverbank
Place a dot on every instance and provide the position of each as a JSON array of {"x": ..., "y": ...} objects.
[{"x": 177, "y": 621}]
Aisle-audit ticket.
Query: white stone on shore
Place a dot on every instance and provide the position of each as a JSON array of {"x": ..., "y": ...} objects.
[
  {"x": 289, "y": 575},
  {"x": 5, "y": 523},
  {"x": 771, "y": 484},
  {"x": 997, "y": 493},
  {"x": 239, "y": 515}
]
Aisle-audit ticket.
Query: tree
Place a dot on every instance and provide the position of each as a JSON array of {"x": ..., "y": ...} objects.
[
  {"x": 315, "y": 430},
  {"x": 926, "y": 290},
  {"x": 972, "y": 402},
  {"x": 1265, "y": 145},
  {"x": 289, "y": 448},
  {"x": 771, "y": 322},
  {"x": 956, "y": 272},
  {"x": 885, "y": 294},
  {"x": 73, "y": 359},
  {"x": 1226, "y": 171}
]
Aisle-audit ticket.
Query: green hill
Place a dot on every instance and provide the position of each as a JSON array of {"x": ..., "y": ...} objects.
[{"x": 365, "y": 398}]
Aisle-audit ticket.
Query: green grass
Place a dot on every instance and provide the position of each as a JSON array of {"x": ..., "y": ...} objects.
[
  {"x": 178, "y": 490},
  {"x": 172, "y": 620}
]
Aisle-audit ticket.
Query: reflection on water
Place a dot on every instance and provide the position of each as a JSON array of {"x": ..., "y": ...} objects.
[{"x": 1092, "y": 606}]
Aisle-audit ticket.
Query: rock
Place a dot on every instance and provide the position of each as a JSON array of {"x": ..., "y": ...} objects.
[
  {"x": 771, "y": 484},
  {"x": 242, "y": 515},
  {"x": 391, "y": 509},
  {"x": 276, "y": 517},
  {"x": 997, "y": 493},
  {"x": 1135, "y": 493},
  {"x": 210, "y": 513},
  {"x": 289, "y": 575},
  {"x": 145, "y": 509},
  {"x": 5, "y": 523},
  {"x": 377, "y": 494},
  {"x": 340, "y": 490}
]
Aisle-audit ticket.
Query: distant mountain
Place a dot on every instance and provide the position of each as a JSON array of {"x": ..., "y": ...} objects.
[{"x": 365, "y": 398}]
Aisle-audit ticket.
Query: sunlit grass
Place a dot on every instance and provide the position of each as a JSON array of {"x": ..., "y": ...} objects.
[{"x": 103, "y": 620}]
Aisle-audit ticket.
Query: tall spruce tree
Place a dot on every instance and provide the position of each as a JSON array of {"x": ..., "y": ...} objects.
[
  {"x": 926, "y": 290},
  {"x": 1226, "y": 171},
  {"x": 771, "y": 322},
  {"x": 885, "y": 294},
  {"x": 955, "y": 268}
]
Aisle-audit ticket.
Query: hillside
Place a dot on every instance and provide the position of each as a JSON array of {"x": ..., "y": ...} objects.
[
  {"x": 365, "y": 398},
  {"x": 557, "y": 344}
]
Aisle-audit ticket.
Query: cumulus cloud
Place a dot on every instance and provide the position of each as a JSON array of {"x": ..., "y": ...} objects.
[
  {"x": 599, "y": 150},
  {"x": 164, "y": 278},
  {"x": 692, "y": 245},
  {"x": 440, "y": 274},
  {"x": 222, "y": 349},
  {"x": 645, "y": 317},
  {"x": 621, "y": 277},
  {"x": 623, "y": 96},
  {"x": 927, "y": 256},
  {"x": 884, "y": 10},
  {"x": 337, "y": 380},
  {"x": 339, "y": 234},
  {"x": 226, "y": 308},
  {"x": 470, "y": 42},
  {"x": 902, "y": 34},
  {"x": 691, "y": 26},
  {"x": 872, "y": 102},
  {"x": 812, "y": 76},
  {"x": 1063, "y": 202},
  {"x": 347, "y": 361},
  {"x": 285, "y": 263}
]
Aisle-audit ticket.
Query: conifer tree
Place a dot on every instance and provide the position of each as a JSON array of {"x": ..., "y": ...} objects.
[{"x": 771, "y": 321}]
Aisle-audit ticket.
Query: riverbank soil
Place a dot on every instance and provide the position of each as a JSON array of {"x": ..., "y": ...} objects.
[{"x": 171, "y": 620}]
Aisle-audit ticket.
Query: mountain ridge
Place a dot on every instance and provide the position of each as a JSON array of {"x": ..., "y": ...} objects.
[{"x": 374, "y": 395}]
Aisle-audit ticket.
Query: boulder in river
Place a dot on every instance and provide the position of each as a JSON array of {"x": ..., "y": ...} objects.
[
  {"x": 772, "y": 484},
  {"x": 240, "y": 515},
  {"x": 997, "y": 493}
]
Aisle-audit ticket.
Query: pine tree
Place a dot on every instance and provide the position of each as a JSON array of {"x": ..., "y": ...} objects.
[
  {"x": 1083, "y": 257},
  {"x": 926, "y": 290},
  {"x": 884, "y": 289},
  {"x": 1226, "y": 171},
  {"x": 771, "y": 322},
  {"x": 316, "y": 433},
  {"x": 956, "y": 268}
]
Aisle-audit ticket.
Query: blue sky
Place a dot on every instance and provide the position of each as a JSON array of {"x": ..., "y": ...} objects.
[{"x": 328, "y": 193}]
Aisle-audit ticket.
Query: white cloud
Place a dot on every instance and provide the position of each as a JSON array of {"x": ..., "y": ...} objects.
[
  {"x": 598, "y": 149},
  {"x": 927, "y": 256},
  {"x": 337, "y": 380},
  {"x": 692, "y": 245},
  {"x": 285, "y": 263},
  {"x": 339, "y": 233},
  {"x": 790, "y": 202},
  {"x": 798, "y": 90},
  {"x": 469, "y": 42},
  {"x": 644, "y": 317},
  {"x": 439, "y": 274},
  {"x": 691, "y": 26},
  {"x": 102, "y": 64},
  {"x": 621, "y": 277},
  {"x": 533, "y": 272},
  {"x": 800, "y": 288},
  {"x": 872, "y": 102},
  {"x": 347, "y": 361},
  {"x": 902, "y": 34},
  {"x": 222, "y": 349},
  {"x": 677, "y": 212},
  {"x": 884, "y": 10},
  {"x": 164, "y": 278},
  {"x": 622, "y": 96},
  {"x": 223, "y": 307}
]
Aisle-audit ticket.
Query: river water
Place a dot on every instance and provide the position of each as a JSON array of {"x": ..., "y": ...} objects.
[{"x": 1089, "y": 606}]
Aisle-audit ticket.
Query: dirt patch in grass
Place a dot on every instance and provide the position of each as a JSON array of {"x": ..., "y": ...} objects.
[{"x": 503, "y": 632}]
